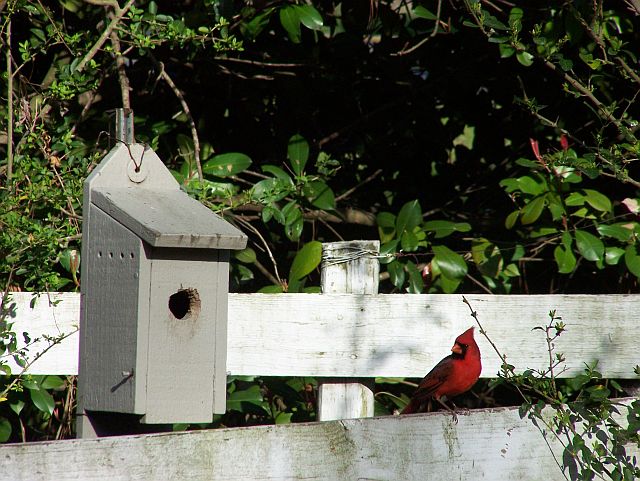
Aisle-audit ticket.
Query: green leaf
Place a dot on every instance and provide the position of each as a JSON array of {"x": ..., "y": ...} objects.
[
  {"x": 271, "y": 190},
  {"x": 252, "y": 395},
  {"x": 52, "y": 382},
  {"x": 443, "y": 228},
  {"x": 525, "y": 58},
  {"x": 5, "y": 430},
  {"x": 293, "y": 230},
  {"x": 409, "y": 217},
  {"x": 589, "y": 246},
  {"x": 386, "y": 220},
  {"x": 515, "y": 17},
  {"x": 409, "y": 242},
  {"x": 396, "y": 273},
  {"x": 283, "y": 418},
  {"x": 185, "y": 147},
  {"x": 490, "y": 21},
  {"x": 449, "y": 286},
  {"x": 506, "y": 50},
  {"x": 319, "y": 195},
  {"x": 273, "y": 289},
  {"x": 618, "y": 231},
  {"x": 532, "y": 211},
  {"x": 564, "y": 255},
  {"x": 487, "y": 257},
  {"x": 421, "y": 12},
  {"x": 298, "y": 153},
  {"x": 306, "y": 260},
  {"x": 632, "y": 260},
  {"x": 247, "y": 255},
  {"x": 17, "y": 406},
  {"x": 612, "y": 255},
  {"x": 575, "y": 199},
  {"x": 511, "y": 219},
  {"x": 277, "y": 172},
  {"x": 466, "y": 137},
  {"x": 597, "y": 200},
  {"x": 257, "y": 24},
  {"x": 310, "y": 17},
  {"x": 531, "y": 186},
  {"x": 416, "y": 284},
  {"x": 450, "y": 263},
  {"x": 290, "y": 20},
  {"x": 387, "y": 250},
  {"x": 225, "y": 165},
  {"x": 42, "y": 400}
]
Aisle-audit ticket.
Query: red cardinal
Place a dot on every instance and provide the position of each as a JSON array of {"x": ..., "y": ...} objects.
[{"x": 455, "y": 374}]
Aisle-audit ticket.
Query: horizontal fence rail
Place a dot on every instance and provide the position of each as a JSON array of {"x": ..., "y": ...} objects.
[
  {"x": 375, "y": 335},
  {"x": 493, "y": 445}
]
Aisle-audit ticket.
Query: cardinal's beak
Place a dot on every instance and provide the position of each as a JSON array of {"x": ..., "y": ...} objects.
[{"x": 457, "y": 348}]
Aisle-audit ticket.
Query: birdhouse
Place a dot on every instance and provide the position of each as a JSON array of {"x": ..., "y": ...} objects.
[{"x": 154, "y": 294}]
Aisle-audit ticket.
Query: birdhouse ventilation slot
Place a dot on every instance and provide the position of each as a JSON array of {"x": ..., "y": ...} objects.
[{"x": 185, "y": 304}]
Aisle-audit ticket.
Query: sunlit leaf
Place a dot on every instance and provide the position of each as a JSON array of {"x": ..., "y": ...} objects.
[
  {"x": 409, "y": 217},
  {"x": 632, "y": 260},
  {"x": 589, "y": 245},
  {"x": 320, "y": 195},
  {"x": 564, "y": 257},
  {"x": 298, "y": 153},
  {"x": 422, "y": 12},
  {"x": 396, "y": 273},
  {"x": 224, "y": 165},
  {"x": 532, "y": 211},
  {"x": 42, "y": 400},
  {"x": 443, "y": 228},
  {"x": 597, "y": 200},
  {"x": 618, "y": 231},
  {"x": 247, "y": 255},
  {"x": 306, "y": 260},
  {"x": 290, "y": 21},
  {"x": 451, "y": 264},
  {"x": 5, "y": 429},
  {"x": 309, "y": 17}
]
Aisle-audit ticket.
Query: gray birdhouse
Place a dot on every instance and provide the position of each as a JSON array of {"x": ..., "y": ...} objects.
[{"x": 154, "y": 294}]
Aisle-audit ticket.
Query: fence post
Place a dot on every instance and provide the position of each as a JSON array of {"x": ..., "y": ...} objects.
[{"x": 349, "y": 267}]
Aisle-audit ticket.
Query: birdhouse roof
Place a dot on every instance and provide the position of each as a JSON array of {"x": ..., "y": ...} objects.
[
  {"x": 168, "y": 218},
  {"x": 133, "y": 186}
]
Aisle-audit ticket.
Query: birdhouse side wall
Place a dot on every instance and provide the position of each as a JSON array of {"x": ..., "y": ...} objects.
[{"x": 113, "y": 355}]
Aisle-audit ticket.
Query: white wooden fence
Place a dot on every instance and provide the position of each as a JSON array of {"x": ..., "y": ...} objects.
[
  {"x": 356, "y": 336},
  {"x": 380, "y": 335}
]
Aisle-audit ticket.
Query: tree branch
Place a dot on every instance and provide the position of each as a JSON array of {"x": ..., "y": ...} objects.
[
  {"x": 120, "y": 12},
  {"x": 123, "y": 80},
  {"x": 9, "y": 106},
  {"x": 185, "y": 108}
]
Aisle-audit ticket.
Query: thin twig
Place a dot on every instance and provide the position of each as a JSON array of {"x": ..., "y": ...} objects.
[
  {"x": 266, "y": 246},
  {"x": 350, "y": 191},
  {"x": 38, "y": 355},
  {"x": 185, "y": 108},
  {"x": 426, "y": 39},
  {"x": 103, "y": 37}
]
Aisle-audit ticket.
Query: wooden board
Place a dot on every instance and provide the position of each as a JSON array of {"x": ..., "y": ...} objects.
[
  {"x": 489, "y": 445},
  {"x": 168, "y": 218},
  {"x": 386, "y": 335}
]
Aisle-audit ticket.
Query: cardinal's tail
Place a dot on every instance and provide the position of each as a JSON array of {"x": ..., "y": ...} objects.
[{"x": 411, "y": 408}]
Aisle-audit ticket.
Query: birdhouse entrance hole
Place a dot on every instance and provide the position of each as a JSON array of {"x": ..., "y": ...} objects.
[{"x": 185, "y": 304}]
